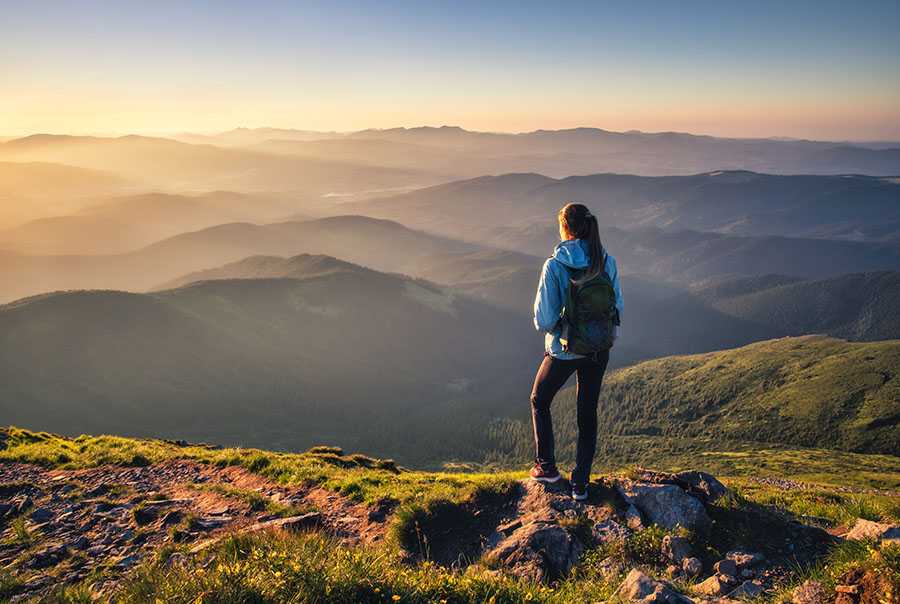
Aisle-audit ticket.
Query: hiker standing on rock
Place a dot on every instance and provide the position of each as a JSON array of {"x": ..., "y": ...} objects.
[{"x": 578, "y": 306}]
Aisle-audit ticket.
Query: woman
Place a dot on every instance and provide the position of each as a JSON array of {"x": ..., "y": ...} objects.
[{"x": 580, "y": 257}]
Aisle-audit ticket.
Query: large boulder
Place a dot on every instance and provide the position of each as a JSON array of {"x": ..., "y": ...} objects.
[
  {"x": 638, "y": 587},
  {"x": 666, "y": 505},
  {"x": 706, "y": 486},
  {"x": 538, "y": 551}
]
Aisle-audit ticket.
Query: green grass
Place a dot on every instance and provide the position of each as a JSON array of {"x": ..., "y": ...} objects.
[
  {"x": 810, "y": 391},
  {"x": 359, "y": 477},
  {"x": 313, "y": 568}
]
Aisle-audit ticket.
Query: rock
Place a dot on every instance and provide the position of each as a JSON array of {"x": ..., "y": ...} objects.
[
  {"x": 666, "y": 505},
  {"x": 49, "y": 556},
  {"x": 172, "y": 517},
  {"x": 747, "y": 589},
  {"x": 676, "y": 549},
  {"x": 691, "y": 566},
  {"x": 609, "y": 530},
  {"x": 633, "y": 518},
  {"x": 5, "y": 508},
  {"x": 866, "y": 529},
  {"x": 296, "y": 523},
  {"x": 41, "y": 515},
  {"x": 539, "y": 551},
  {"x": 638, "y": 587},
  {"x": 126, "y": 561},
  {"x": 745, "y": 562},
  {"x": 80, "y": 543},
  {"x": 715, "y": 585},
  {"x": 726, "y": 567},
  {"x": 704, "y": 485},
  {"x": 809, "y": 592}
]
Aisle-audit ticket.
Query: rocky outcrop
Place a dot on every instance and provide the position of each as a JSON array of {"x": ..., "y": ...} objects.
[
  {"x": 539, "y": 551},
  {"x": 666, "y": 505}
]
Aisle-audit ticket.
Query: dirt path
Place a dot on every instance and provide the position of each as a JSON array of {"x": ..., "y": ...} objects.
[{"x": 59, "y": 526}]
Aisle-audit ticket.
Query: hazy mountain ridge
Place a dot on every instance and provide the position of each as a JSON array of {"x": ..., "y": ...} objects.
[
  {"x": 123, "y": 224},
  {"x": 275, "y": 360},
  {"x": 174, "y": 165},
  {"x": 736, "y": 202},
  {"x": 380, "y": 244},
  {"x": 588, "y": 150}
]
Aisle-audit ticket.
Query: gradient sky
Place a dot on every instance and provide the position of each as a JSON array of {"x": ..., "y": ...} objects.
[{"x": 827, "y": 70}]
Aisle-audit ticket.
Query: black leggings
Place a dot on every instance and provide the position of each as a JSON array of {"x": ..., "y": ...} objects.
[{"x": 550, "y": 378}]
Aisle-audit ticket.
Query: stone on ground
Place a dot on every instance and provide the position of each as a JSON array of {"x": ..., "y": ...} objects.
[
  {"x": 809, "y": 592},
  {"x": 666, "y": 505},
  {"x": 539, "y": 551},
  {"x": 867, "y": 529},
  {"x": 638, "y": 587}
]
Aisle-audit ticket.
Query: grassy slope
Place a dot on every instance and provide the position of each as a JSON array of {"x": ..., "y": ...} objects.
[
  {"x": 809, "y": 391},
  {"x": 270, "y": 568}
]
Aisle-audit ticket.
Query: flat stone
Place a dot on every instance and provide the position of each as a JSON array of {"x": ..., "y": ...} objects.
[
  {"x": 41, "y": 515},
  {"x": 715, "y": 585}
]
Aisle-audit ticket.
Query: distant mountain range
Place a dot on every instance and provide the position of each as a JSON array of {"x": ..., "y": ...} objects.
[
  {"x": 30, "y": 190},
  {"x": 558, "y": 153},
  {"x": 736, "y": 203},
  {"x": 175, "y": 166},
  {"x": 123, "y": 224},
  {"x": 379, "y": 244}
]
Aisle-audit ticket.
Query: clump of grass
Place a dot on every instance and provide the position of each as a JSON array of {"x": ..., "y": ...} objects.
[
  {"x": 20, "y": 533},
  {"x": 9, "y": 585}
]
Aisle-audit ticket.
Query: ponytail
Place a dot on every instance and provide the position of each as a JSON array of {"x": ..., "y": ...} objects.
[{"x": 580, "y": 223}]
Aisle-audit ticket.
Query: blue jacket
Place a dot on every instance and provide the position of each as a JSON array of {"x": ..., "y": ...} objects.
[{"x": 551, "y": 293}]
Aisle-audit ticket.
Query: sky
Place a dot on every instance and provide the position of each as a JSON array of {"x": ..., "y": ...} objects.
[{"x": 822, "y": 70}]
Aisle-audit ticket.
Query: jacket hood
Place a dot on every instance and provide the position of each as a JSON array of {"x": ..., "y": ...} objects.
[{"x": 572, "y": 253}]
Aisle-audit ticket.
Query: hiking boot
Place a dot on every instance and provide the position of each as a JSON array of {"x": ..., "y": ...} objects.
[
  {"x": 542, "y": 473},
  {"x": 579, "y": 492}
]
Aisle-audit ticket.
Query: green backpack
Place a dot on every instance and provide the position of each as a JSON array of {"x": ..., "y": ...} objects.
[{"x": 589, "y": 315}]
